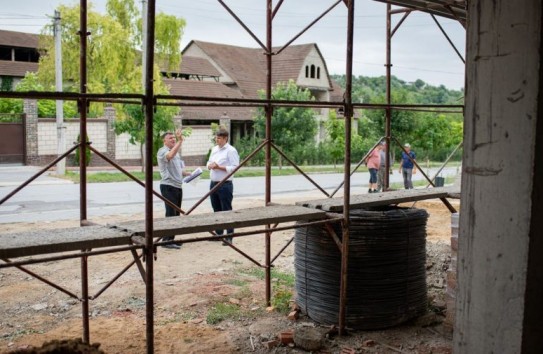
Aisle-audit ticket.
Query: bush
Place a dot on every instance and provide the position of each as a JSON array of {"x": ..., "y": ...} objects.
[{"x": 87, "y": 152}]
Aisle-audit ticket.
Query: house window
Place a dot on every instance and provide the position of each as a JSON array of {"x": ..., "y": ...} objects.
[
  {"x": 5, "y": 53},
  {"x": 312, "y": 71},
  {"x": 26, "y": 54},
  {"x": 318, "y": 72},
  {"x": 306, "y": 71}
]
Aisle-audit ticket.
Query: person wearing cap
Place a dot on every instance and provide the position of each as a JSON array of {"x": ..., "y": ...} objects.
[
  {"x": 407, "y": 166},
  {"x": 223, "y": 160},
  {"x": 171, "y": 170}
]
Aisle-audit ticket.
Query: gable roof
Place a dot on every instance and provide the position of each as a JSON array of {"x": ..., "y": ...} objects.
[
  {"x": 18, "y": 39},
  {"x": 17, "y": 68},
  {"x": 247, "y": 66},
  {"x": 179, "y": 87},
  {"x": 197, "y": 66}
]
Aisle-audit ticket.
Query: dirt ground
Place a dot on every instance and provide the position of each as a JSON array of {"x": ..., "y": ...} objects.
[{"x": 189, "y": 285}]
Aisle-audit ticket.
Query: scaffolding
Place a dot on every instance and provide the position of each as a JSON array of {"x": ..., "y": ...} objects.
[{"x": 145, "y": 236}]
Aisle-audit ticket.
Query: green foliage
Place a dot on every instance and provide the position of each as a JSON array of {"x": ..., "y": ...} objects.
[
  {"x": 113, "y": 49},
  {"x": 221, "y": 312},
  {"x": 291, "y": 126},
  {"x": 432, "y": 135},
  {"x": 11, "y": 105},
  {"x": 283, "y": 284},
  {"x": 87, "y": 152},
  {"x": 6, "y": 83},
  {"x": 133, "y": 123},
  {"x": 46, "y": 108}
]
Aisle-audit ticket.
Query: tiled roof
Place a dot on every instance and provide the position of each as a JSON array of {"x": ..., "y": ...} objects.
[
  {"x": 247, "y": 66},
  {"x": 212, "y": 113},
  {"x": 197, "y": 66},
  {"x": 16, "y": 68},
  {"x": 18, "y": 39},
  {"x": 179, "y": 87},
  {"x": 196, "y": 88},
  {"x": 336, "y": 95}
]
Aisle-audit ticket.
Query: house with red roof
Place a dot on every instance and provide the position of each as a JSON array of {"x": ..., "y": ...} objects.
[{"x": 211, "y": 70}]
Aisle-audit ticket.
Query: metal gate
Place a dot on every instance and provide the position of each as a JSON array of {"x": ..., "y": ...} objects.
[{"x": 12, "y": 138}]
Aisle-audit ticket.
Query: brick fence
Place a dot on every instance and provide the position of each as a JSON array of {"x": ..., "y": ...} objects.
[{"x": 41, "y": 140}]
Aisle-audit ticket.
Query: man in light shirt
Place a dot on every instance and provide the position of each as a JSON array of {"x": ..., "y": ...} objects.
[{"x": 223, "y": 160}]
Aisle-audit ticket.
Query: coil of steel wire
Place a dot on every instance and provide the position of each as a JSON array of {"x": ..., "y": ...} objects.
[{"x": 386, "y": 282}]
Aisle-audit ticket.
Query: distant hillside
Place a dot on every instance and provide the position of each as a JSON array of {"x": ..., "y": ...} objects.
[{"x": 372, "y": 90}]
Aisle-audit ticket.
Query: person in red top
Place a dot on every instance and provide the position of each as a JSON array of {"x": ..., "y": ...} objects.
[{"x": 373, "y": 161}]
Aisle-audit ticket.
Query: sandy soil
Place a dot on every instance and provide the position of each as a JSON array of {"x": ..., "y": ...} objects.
[{"x": 189, "y": 283}]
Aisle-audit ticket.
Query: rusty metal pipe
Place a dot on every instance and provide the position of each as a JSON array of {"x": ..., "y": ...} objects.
[
  {"x": 149, "y": 249},
  {"x": 218, "y": 185},
  {"x": 132, "y": 177},
  {"x": 42, "y": 279},
  {"x": 299, "y": 169},
  {"x": 309, "y": 26},
  {"x": 242, "y": 24},
  {"x": 347, "y": 180},
  {"x": 357, "y": 166},
  {"x": 39, "y": 173}
]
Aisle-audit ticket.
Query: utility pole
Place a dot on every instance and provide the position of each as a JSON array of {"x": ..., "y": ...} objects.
[
  {"x": 143, "y": 43},
  {"x": 143, "y": 61},
  {"x": 61, "y": 128}
]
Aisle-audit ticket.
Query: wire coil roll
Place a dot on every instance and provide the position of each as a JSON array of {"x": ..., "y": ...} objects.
[{"x": 386, "y": 282}]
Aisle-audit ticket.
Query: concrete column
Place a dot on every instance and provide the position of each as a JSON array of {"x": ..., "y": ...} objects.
[
  {"x": 224, "y": 121},
  {"x": 109, "y": 114},
  {"x": 500, "y": 267},
  {"x": 30, "y": 108}
]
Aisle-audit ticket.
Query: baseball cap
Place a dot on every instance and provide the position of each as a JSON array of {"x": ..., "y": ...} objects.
[{"x": 407, "y": 145}]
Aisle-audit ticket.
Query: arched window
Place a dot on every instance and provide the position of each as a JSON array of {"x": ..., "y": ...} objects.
[
  {"x": 318, "y": 72},
  {"x": 312, "y": 71},
  {"x": 306, "y": 71}
]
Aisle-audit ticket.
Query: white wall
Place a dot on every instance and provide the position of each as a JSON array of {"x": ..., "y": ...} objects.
[
  {"x": 47, "y": 133},
  {"x": 199, "y": 142},
  {"x": 125, "y": 150}
]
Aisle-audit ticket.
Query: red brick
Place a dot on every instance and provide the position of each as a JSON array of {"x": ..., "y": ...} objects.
[
  {"x": 293, "y": 315},
  {"x": 286, "y": 337}
]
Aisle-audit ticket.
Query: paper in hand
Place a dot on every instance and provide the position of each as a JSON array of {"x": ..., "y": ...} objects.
[{"x": 195, "y": 174}]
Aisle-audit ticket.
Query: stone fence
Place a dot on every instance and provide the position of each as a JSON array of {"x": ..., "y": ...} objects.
[{"x": 41, "y": 140}]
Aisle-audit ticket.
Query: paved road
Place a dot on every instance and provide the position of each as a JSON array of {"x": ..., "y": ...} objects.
[{"x": 50, "y": 199}]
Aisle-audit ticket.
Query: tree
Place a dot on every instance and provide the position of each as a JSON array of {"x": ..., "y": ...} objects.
[
  {"x": 291, "y": 126},
  {"x": 114, "y": 60},
  {"x": 135, "y": 127},
  {"x": 335, "y": 141}
]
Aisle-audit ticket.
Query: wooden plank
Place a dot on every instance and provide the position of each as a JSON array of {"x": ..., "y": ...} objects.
[
  {"x": 37, "y": 242},
  {"x": 224, "y": 220},
  {"x": 379, "y": 199}
]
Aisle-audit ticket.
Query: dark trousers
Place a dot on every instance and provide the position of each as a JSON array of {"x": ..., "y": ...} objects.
[
  {"x": 221, "y": 200},
  {"x": 174, "y": 195}
]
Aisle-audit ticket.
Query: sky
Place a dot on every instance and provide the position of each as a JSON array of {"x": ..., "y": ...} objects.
[{"x": 419, "y": 49}]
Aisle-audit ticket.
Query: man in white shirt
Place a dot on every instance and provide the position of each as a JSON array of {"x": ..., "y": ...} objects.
[
  {"x": 171, "y": 171},
  {"x": 223, "y": 160}
]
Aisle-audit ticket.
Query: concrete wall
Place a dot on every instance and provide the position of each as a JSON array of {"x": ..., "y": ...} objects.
[
  {"x": 41, "y": 144},
  {"x": 47, "y": 135},
  {"x": 500, "y": 297}
]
